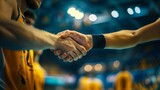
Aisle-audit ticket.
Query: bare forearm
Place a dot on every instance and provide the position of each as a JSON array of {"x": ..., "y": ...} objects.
[
  {"x": 18, "y": 36},
  {"x": 130, "y": 38},
  {"x": 149, "y": 32},
  {"x": 116, "y": 40},
  {"x": 121, "y": 39}
]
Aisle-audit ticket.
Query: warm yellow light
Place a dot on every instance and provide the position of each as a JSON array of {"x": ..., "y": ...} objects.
[
  {"x": 71, "y": 11},
  {"x": 116, "y": 64},
  {"x": 75, "y": 13},
  {"x": 98, "y": 67},
  {"x": 79, "y": 15},
  {"x": 88, "y": 68}
]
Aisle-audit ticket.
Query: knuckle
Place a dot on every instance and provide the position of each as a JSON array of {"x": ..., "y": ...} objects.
[
  {"x": 82, "y": 48},
  {"x": 59, "y": 57},
  {"x": 71, "y": 60},
  {"x": 67, "y": 30},
  {"x": 75, "y": 59},
  {"x": 80, "y": 56}
]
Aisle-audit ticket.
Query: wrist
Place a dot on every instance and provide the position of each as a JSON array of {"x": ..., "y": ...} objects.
[
  {"x": 98, "y": 41},
  {"x": 54, "y": 41}
]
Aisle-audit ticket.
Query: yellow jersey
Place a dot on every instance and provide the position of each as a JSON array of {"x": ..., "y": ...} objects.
[
  {"x": 123, "y": 81},
  {"x": 84, "y": 83},
  {"x": 87, "y": 83},
  {"x": 96, "y": 84},
  {"x": 18, "y": 67},
  {"x": 39, "y": 76}
]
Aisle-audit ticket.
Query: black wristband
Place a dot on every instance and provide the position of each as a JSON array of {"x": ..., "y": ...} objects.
[{"x": 99, "y": 41}]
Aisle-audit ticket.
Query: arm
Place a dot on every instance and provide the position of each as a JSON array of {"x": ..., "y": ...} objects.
[
  {"x": 17, "y": 36},
  {"x": 121, "y": 39},
  {"x": 14, "y": 35},
  {"x": 117, "y": 40},
  {"x": 130, "y": 38}
]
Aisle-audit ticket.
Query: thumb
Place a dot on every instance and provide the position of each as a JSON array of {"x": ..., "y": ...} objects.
[
  {"x": 64, "y": 34},
  {"x": 76, "y": 37},
  {"x": 68, "y": 34}
]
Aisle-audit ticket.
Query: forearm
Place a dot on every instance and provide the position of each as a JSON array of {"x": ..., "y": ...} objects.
[
  {"x": 149, "y": 32},
  {"x": 18, "y": 36},
  {"x": 130, "y": 38},
  {"x": 121, "y": 39}
]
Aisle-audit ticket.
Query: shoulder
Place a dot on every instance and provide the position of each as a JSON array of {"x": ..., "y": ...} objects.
[
  {"x": 8, "y": 3},
  {"x": 7, "y": 8},
  {"x": 14, "y": 5}
]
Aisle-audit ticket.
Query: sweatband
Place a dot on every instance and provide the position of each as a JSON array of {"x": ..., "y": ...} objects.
[{"x": 99, "y": 41}]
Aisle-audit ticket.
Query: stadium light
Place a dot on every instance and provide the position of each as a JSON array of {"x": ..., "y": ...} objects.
[
  {"x": 92, "y": 17},
  {"x": 88, "y": 68},
  {"x": 137, "y": 10},
  {"x": 115, "y": 14},
  {"x": 130, "y": 11},
  {"x": 75, "y": 13}
]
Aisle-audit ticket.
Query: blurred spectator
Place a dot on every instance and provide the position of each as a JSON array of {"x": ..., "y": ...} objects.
[
  {"x": 123, "y": 80},
  {"x": 90, "y": 82},
  {"x": 39, "y": 73}
]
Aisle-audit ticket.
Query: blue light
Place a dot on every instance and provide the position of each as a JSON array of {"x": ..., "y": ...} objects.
[
  {"x": 115, "y": 14},
  {"x": 130, "y": 11},
  {"x": 137, "y": 10},
  {"x": 92, "y": 17}
]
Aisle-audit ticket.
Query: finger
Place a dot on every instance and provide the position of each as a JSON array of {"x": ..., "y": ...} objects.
[
  {"x": 71, "y": 60},
  {"x": 69, "y": 34},
  {"x": 64, "y": 60},
  {"x": 62, "y": 56},
  {"x": 77, "y": 37},
  {"x": 68, "y": 58},
  {"x": 78, "y": 52},
  {"x": 73, "y": 55},
  {"x": 60, "y": 33},
  {"x": 79, "y": 55},
  {"x": 65, "y": 34},
  {"x": 57, "y": 52},
  {"x": 74, "y": 35},
  {"x": 81, "y": 49}
]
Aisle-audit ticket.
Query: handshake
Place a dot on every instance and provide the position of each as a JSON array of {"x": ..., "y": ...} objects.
[{"x": 72, "y": 45}]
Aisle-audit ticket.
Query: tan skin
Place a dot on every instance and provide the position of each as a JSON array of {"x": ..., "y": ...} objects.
[
  {"x": 37, "y": 53},
  {"x": 116, "y": 40},
  {"x": 13, "y": 32}
]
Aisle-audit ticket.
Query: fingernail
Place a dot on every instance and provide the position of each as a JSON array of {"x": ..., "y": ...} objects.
[{"x": 64, "y": 55}]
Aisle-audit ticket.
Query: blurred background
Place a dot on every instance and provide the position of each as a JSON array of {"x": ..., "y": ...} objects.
[{"x": 96, "y": 17}]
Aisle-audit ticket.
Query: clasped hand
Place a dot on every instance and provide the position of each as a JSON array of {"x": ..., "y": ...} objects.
[{"x": 72, "y": 45}]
